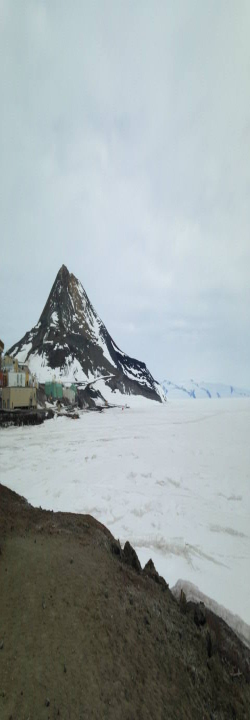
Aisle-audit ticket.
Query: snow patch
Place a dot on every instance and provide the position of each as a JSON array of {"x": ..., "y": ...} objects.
[
  {"x": 22, "y": 354},
  {"x": 54, "y": 320}
]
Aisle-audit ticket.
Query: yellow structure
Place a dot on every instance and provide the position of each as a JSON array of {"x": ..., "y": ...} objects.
[
  {"x": 9, "y": 363},
  {"x": 18, "y": 397}
]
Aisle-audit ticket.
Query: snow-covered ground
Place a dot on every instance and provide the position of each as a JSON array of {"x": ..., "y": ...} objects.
[{"x": 171, "y": 478}]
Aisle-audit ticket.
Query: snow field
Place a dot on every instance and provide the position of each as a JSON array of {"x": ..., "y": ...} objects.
[{"x": 173, "y": 479}]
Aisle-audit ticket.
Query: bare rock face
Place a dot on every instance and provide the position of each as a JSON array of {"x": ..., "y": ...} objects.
[
  {"x": 71, "y": 341},
  {"x": 130, "y": 557}
]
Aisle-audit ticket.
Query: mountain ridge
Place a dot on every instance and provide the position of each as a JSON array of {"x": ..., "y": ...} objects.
[
  {"x": 190, "y": 389},
  {"x": 71, "y": 341}
]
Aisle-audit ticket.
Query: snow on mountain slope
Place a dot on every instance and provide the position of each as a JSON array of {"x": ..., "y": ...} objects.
[
  {"x": 192, "y": 389},
  {"x": 71, "y": 342}
]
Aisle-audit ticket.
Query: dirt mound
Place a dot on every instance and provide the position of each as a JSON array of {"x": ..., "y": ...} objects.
[{"x": 85, "y": 633}]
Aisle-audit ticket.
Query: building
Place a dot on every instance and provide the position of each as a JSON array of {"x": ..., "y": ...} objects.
[
  {"x": 29, "y": 379},
  {"x": 14, "y": 398},
  {"x": 9, "y": 363},
  {"x": 16, "y": 379},
  {"x": 3, "y": 379},
  {"x": 17, "y": 386}
]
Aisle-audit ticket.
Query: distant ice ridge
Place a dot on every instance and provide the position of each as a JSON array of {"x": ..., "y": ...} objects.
[{"x": 190, "y": 389}]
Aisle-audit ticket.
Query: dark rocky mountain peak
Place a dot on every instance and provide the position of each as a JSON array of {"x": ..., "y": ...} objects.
[
  {"x": 71, "y": 342},
  {"x": 68, "y": 306}
]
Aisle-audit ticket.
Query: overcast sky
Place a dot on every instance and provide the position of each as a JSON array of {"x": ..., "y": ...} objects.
[{"x": 125, "y": 154}]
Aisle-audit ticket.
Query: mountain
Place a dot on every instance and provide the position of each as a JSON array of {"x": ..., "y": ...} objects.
[
  {"x": 192, "y": 389},
  {"x": 71, "y": 342}
]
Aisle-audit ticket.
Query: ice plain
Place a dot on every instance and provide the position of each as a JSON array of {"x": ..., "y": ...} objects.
[{"x": 173, "y": 479}]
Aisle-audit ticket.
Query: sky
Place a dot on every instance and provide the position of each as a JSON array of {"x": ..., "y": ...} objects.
[{"x": 125, "y": 155}]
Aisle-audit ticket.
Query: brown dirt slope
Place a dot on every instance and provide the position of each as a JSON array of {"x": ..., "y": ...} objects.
[{"x": 86, "y": 634}]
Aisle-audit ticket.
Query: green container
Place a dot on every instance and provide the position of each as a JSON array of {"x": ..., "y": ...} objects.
[
  {"x": 54, "y": 390},
  {"x": 59, "y": 390},
  {"x": 47, "y": 387}
]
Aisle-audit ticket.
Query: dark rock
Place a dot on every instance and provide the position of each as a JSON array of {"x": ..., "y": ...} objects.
[
  {"x": 116, "y": 548},
  {"x": 193, "y": 674},
  {"x": 149, "y": 568},
  {"x": 1, "y": 645},
  {"x": 47, "y": 702},
  {"x": 209, "y": 644},
  {"x": 232, "y": 712},
  {"x": 183, "y": 602},
  {"x": 151, "y": 572},
  {"x": 200, "y": 614},
  {"x": 130, "y": 557},
  {"x": 85, "y": 525},
  {"x": 49, "y": 414},
  {"x": 210, "y": 664}
]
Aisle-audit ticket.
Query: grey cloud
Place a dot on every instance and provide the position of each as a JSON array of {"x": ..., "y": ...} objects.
[{"x": 125, "y": 154}]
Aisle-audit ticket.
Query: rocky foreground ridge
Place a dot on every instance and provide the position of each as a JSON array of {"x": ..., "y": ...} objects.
[
  {"x": 85, "y": 633},
  {"x": 71, "y": 342}
]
